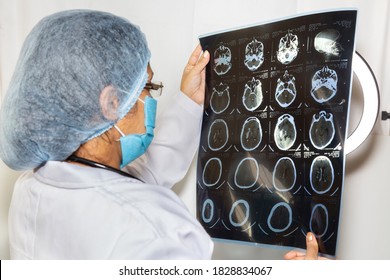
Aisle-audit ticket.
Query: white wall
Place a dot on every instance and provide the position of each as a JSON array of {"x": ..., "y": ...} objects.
[{"x": 172, "y": 28}]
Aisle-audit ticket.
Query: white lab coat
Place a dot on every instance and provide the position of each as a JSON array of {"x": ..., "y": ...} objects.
[{"x": 67, "y": 211}]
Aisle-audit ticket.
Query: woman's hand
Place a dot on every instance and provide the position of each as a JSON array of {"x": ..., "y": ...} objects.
[
  {"x": 194, "y": 75},
  {"x": 311, "y": 250}
]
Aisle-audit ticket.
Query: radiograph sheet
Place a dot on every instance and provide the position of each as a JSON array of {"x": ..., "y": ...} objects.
[{"x": 271, "y": 156}]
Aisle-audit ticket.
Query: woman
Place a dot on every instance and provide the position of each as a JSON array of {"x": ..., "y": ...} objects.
[{"x": 80, "y": 117}]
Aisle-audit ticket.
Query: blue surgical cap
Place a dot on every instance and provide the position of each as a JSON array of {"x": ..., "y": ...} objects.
[{"x": 54, "y": 102}]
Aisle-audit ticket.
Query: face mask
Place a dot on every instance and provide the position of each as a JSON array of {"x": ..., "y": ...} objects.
[{"x": 135, "y": 145}]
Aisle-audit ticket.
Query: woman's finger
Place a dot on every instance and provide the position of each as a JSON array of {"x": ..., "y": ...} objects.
[
  {"x": 195, "y": 55},
  {"x": 311, "y": 247}
]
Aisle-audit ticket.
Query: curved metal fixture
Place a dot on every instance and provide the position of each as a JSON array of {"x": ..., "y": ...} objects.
[{"x": 370, "y": 91}]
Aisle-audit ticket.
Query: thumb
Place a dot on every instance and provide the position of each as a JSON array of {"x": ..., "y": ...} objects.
[
  {"x": 202, "y": 61},
  {"x": 311, "y": 247}
]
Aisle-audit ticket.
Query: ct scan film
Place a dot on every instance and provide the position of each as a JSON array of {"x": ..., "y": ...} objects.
[{"x": 271, "y": 155}]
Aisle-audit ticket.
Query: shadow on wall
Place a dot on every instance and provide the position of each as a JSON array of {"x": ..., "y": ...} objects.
[{"x": 7, "y": 179}]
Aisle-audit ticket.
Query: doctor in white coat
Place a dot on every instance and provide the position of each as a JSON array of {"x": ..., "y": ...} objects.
[{"x": 79, "y": 117}]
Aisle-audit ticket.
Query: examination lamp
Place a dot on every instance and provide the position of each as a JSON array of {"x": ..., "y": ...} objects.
[{"x": 370, "y": 92}]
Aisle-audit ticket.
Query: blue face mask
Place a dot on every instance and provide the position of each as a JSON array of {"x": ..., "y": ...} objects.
[{"x": 135, "y": 145}]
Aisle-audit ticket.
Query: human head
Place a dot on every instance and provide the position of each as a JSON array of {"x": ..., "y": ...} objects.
[{"x": 54, "y": 102}]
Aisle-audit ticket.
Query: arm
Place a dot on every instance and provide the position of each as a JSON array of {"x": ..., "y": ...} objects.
[
  {"x": 177, "y": 131},
  {"x": 169, "y": 156}
]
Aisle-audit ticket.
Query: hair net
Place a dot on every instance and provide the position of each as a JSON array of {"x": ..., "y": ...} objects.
[{"x": 53, "y": 103}]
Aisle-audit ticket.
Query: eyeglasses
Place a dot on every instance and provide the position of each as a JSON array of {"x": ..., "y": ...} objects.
[{"x": 155, "y": 89}]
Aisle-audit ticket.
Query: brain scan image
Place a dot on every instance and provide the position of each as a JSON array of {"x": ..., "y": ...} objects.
[
  {"x": 285, "y": 132},
  {"x": 321, "y": 174},
  {"x": 220, "y": 98},
  {"x": 208, "y": 211},
  {"x": 284, "y": 175},
  {"x": 271, "y": 156},
  {"x": 285, "y": 90},
  {"x": 288, "y": 48},
  {"x": 254, "y": 55},
  {"x": 218, "y": 135},
  {"x": 251, "y": 134},
  {"x": 319, "y": 220},
  {"x": 222, "y": 60},
  {"x": 253, "y": 95},
  {"x": 239, "y": 213},
  {"x": 327, "y": 42},
  {"x": 280, "y": 217},
  {"x": 212, "y": 172},
  {"x": 247, "y": 173},
  {"x": 322, "y": 130},
  {"x": 324, "y": 84}
]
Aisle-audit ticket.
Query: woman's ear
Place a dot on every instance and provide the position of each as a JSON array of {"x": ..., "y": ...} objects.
[{"x": 109, "y": 103}]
